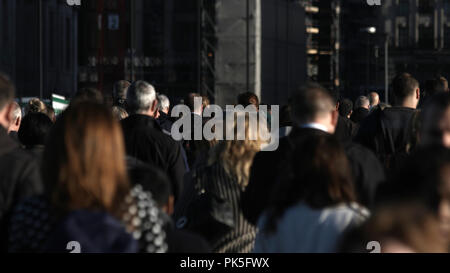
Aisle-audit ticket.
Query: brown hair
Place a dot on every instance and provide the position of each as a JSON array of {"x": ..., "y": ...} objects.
[
  {"x": 84, "y": 161},
  {"x": 319, "y": 176},
  {"x": 408, "y": 224}
]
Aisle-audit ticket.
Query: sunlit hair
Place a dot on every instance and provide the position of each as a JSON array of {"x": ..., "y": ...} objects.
[
  {"x": 36, "y": 106},
  {"x": 237, "y": 155},
  {"x": 84, "y": 161}
]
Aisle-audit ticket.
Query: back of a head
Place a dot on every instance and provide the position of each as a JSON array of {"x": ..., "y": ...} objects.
[
  {"x": 163, "y": 102},
  {"x": 434, "y": 111},
  {"x": 374, "y": 99},
  {"x": 435, "y": 86},
  {"x": 36, "y": 106},
  {"x": 34, "y": 129},
  {"x": 17, "y": 112},
  {"x": 362, "y": 102},
  {"x": 404, "y": 86},
  {"x": 248, "y": 98},
  {"x": 120, "y": 91},
  {"x": 154, "y": 181},
  {"x": 189, "y": 101},
  {"x": 311, "y": 101},
  {"x": 7, "y": 91},
  {"x": 398, "y": 228},
  {"x": 88, "y": 95},
  {"x": 345, "y": 107},
  {"x": 84, "y": 160},
  {"x": 140, "y": 97}
]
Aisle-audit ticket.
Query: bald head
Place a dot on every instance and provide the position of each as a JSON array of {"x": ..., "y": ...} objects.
[{"x": 374, "y": 99}]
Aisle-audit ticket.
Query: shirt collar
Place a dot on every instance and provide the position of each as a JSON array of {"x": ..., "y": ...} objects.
[{"x": 316, "y": 126}]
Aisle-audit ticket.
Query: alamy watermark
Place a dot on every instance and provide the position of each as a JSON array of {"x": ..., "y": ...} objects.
[
  {"x": 228, "y": 124},
  {"x": 374, "y": 2}
]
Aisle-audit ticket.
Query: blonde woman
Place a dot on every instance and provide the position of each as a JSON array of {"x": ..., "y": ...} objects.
[{"x": 211, "y": 203}]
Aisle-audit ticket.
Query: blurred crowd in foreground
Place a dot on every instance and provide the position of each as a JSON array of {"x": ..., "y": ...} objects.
[{"x": 107, "y": 176}]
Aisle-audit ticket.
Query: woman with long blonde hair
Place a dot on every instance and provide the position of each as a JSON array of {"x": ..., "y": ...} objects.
[{"x": 211, "y": 202}]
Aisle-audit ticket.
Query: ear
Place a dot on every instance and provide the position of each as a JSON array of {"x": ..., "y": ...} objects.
[
  {"x": 334, "y": 118},
  {"x": 18, "y": 121},
  {"x": 9, "y": 113},
  {"x": 418, "y": 93}
]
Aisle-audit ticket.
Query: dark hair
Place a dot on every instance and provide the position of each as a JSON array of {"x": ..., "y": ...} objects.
[
  {"x": 34, "y": 129},
  {"x": 286, "y": 116},
  {"x": 434, "y": 86},
  {"x": 404, "y": 85},
  {"x": 51, "y": 113},
  {"x": 88, "y": 95},
  {"x": 190, "y": 99},
  {"x": 345, "y": 107},
  {"x": 152, "y": 180},
  {"x": 309, "y": 101},
  {"x": 248, "y": 98},
  {"x": 433, "y": 111},
  {"x": 409, "y": 223},
  {"x": 320, "y": 176},
  {"x": 7, "y": 91},
  {"x": 419, "y": 178}
]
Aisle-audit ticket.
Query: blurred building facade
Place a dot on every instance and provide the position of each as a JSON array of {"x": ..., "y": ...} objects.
[
  {"x": 22, "y": 23},
  {"x": 418, "y": 36},
  {"x": 218, "y": 48}
]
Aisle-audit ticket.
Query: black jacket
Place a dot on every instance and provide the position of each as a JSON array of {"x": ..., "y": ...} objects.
[
  {"x": 390, "y": 134},
  {"x": 19, "y": 178},
  {"x": 345, "y": 129},
  {"x": 359, "y": 115},
  {"x": 145, "y": 141}
]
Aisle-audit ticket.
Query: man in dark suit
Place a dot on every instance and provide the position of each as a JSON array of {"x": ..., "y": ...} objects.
[{"x": 314, "y": 113}]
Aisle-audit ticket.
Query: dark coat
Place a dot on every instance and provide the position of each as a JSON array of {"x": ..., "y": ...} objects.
[
  {"x": 216, "y": 181},
  {"x": 359, "y": 115},
  {"x": 390, "y": 134},
  {"x": 345, "y": 129},
  {"x": 145, "y": 141},
  {"x": 19, "y": 178}
]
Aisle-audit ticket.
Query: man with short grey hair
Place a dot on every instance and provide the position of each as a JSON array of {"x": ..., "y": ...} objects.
[
  {"x": 17, "y": 120},
  {"x": 163, "y": 103},
  {"x": 144, "y": 138},
  {"x": 361, "y": 111}
]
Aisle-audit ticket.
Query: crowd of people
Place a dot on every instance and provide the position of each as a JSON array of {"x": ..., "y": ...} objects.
[{"x": 107, "y": 174}]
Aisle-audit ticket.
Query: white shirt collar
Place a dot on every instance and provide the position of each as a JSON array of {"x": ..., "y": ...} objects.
[{"x": 316, "y": 126}]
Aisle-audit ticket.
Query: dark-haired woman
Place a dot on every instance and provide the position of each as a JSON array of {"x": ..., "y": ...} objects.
[{"x": 311, "y": 210}]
